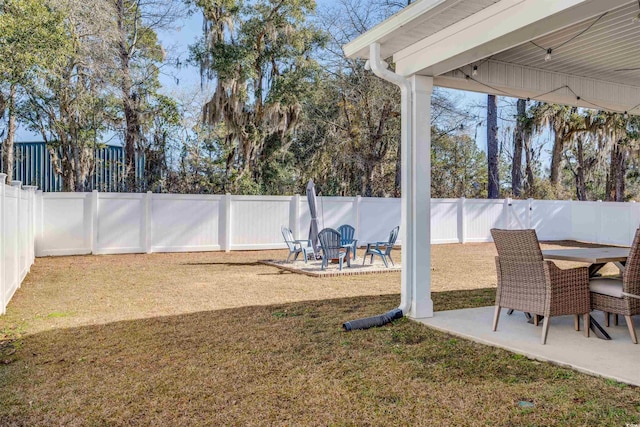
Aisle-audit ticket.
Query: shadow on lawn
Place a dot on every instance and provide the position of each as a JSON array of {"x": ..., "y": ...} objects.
[
  {"x": 284, "y": 364},
  {"x": 228, "y": 264}
]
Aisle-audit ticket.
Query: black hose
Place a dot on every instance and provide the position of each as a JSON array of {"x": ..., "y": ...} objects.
[{"x": 369, "y": 322}]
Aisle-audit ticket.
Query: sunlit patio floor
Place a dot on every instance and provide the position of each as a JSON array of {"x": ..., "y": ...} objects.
[{"x": 617, "y": 359}]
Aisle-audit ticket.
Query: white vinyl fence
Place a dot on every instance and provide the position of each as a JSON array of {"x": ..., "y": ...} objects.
[
  {"x": 17, "y": 236},
  {"x": 113, "y": 223}
]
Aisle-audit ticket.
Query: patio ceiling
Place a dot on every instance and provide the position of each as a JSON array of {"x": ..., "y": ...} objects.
[{"x": 595, "y": 48}]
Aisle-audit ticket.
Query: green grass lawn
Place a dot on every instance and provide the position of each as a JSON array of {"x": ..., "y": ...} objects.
[{"x": 292, "y": 364}]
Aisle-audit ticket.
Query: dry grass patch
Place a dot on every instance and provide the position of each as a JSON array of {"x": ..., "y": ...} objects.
[
  {"x": 219, "y": 339},
  {"x": 291, "y": 364}
]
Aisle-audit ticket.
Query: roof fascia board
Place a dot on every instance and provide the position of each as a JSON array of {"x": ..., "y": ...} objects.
[
  {"x": 493, "y": 30},
  {"x": 505, "y": 79},
  {"x": 359, "y": 47}
]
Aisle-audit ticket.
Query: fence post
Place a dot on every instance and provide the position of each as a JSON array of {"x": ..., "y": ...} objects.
[
  {"x": 147, "y": 221},
  {"x": 294, "y": 216},
  {"x": 507, "y": 213},
  {"x": 18, "y": 248},
  {"x": 462, "y": 223},
  {"x": 226, "y": 238},
  {"x": 94, "y": 222},
  {"x": 598, "y": 220},
  {"x": 31, "y": 222},
  {"x": 356, "y": 209},
  {"x": 39, "y": 228},
  {"x": 3, "y": 243},
  {"x": 529, "y": 209}
]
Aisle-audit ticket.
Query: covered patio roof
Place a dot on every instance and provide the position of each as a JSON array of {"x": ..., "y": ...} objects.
[
  {"x": 594, "y": 48},
  {"x": 576, "y": 52}
]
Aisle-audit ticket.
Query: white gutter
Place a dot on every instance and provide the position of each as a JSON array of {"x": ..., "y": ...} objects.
[{"x": 379, "y": 68}]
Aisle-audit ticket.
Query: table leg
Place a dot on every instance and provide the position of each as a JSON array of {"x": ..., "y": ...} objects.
[
  {"x": 597, "y": 329},
  {"x": 594, "y": 268}
]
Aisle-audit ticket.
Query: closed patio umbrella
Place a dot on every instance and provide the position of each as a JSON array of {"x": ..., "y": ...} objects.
[{"x": 313, "y": 210}]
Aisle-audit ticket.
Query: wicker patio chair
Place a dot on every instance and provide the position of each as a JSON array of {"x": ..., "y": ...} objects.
[
  {"x": 382, "y": 249},
  {"x": 331, "y": 247},
  {"x": 620, "y": 296},
  {"x": 528, "y": 283},
  {"x": 346, "y": 238},
  {"x": 297, "y": 246}
]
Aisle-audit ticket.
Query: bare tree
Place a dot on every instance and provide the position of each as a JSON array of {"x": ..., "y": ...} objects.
[{"x": 493, "y": 188}]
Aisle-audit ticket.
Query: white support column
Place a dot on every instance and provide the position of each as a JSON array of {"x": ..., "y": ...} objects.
[
  {"x": 3, "y": 244},
  {"x": 417, "y": 199}
]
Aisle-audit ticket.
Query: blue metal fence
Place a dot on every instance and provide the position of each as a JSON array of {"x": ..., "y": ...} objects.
[{"x": 33, "y": 166}]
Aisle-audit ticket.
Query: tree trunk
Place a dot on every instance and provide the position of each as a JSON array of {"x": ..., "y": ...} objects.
[
  {"x": 398, "y": 184},
  {"x": 617, "y": 172},
  {"x": 556, "y": 158},
  {"x": 7, "y": 146},
  {"x": 581, "y": 185},
  {"x": 528, "y": 155},
  {"x": 129, "y": 101},
  {"x": 518, "y": 142},
  {"x": 493, "y": 189}
]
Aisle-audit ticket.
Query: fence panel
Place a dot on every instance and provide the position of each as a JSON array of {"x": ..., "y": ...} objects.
[
  {"x": 256, "y": 221},
  {"x": 481, "y": 216},
  {"x": 335, "y": 211},
  {"x": 121, "y": 223},
  {"x": 66, "y": 224},
  {"x": 183, "y": 223},
  {"x": 617, "y": 224},
  {"x": 444, "y": 220},
  {"x": 552, "y": 219},
  {"x": 378, "y": 216},
  {"x": 11, "y": 242}
]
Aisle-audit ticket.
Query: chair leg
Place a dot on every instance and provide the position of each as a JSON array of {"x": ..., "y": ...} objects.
[
  {"x": 632, "y": 329},
  {"x": 289, "y": 256},
  {"x": 576, "y": 322},
  {"x": 615, "y": 320},
  {"x": 545, "y": 329},
  {"x": 496, "y": 316},
  {"x": 606, "y": 319},
  {"x": 384, "y": 259},
  {"x": 391, "y": 259},
  {"x": 536, "y": 320},
  {"x": 586, "y": 320},
  {"x": 340, "y": 259}
]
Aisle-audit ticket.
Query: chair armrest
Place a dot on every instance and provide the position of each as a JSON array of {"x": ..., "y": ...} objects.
[
  {"x": 301, "y": 241},
  {"x": 570, "y": 285},
  {"x": 381, "y": 244}
]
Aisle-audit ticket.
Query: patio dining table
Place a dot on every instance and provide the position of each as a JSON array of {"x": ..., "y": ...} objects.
[{"x": 596, "y": 258}]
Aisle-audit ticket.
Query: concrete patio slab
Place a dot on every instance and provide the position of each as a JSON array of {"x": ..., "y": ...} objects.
[{"x": 617, "y": 359}]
